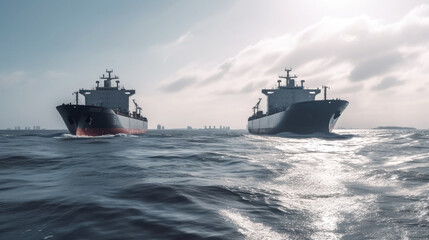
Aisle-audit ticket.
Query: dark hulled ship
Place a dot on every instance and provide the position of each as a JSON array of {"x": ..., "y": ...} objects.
[
  {"x": 292, "y": 108},
  {"x": 106, "y": 111}
]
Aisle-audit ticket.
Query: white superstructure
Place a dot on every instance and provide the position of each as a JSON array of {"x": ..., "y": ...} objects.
[
  {"x": 108, "y": 96},
  {"x": 285, "y": 95}
]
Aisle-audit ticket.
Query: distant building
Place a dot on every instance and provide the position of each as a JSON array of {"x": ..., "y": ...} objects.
[{"x": 158, "y": 127}]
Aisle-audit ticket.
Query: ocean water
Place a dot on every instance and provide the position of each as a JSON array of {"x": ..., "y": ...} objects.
[{"x": 354, "y": 184}]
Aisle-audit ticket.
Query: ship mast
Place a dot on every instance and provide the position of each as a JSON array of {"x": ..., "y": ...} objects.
[
  {"x": 77, "y": 97},
  {"x": 324, "y": 91},
  {"x": 109, "y": 78},
  {"x": 290, "y": 82}
]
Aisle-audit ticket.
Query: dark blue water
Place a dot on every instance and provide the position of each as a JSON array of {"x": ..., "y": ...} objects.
[{"x": 355, "y": 184}]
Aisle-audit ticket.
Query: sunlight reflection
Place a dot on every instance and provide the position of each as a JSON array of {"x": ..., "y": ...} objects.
[
  {"x": 315, "y": 184},
  {"x": 327, "y": 185},
  {"x": 250, "y": 229}
]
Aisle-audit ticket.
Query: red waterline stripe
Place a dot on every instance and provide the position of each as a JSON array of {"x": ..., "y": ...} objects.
[{"x": 104, "y": 131}]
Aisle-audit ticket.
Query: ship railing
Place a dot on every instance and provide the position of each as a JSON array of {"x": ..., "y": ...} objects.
[
  {"x": 128, "y": 114},
  {"x": 272, "y": 111},
  {"x": 257, "y": 116},
  {"x": 121, "y": 113}
]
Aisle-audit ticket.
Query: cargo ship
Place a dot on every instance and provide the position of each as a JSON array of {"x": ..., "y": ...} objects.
[
  {"x": 106, "y": 111},
  {"x": 293, "y": 108}
]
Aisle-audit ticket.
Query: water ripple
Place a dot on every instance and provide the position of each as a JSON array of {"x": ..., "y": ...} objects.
[{"x": 178, "y": 184}]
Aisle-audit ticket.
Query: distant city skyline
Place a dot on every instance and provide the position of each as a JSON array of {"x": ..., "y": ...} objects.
[{"x": 200, "y": 63}]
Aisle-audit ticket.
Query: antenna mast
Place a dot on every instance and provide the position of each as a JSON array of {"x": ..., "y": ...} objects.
[
  {"x": 290, "y": 82},
  {"x": 109, "y": 78},
  {"x": 324, "y": 91},
  {"x": 77, "y": 97}
]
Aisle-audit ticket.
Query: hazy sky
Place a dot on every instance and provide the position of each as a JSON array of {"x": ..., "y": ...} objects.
[{"x": 204, "y": 62}]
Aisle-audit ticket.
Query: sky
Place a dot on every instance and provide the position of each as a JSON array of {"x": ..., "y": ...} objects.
[{"x": 199, "y": 62}]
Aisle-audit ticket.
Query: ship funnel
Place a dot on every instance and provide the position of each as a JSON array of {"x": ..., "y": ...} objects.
[
  {"x": 98, "y": 83},
  {"x": 107, "y": 83},
  {"x": 302, "y": 83}
]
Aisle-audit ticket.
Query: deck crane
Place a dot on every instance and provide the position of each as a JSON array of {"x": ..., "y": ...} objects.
[
  {"x": 256, "y": 107},
  {"x": 138, "y": 109}
]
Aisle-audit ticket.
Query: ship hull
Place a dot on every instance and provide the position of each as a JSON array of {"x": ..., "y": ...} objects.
[
  {"x": 85, "y": 120},
  {"x": 302, "y": 118}
]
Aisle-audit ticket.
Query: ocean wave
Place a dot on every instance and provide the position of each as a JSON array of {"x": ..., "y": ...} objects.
[
  {"x": 86, "y": 220},
  {"x": 326, "y": 136},
  {"x": 214, "y": 185},
  {"x": 401, "y": 175},
  {"x": 250, "y": 229},
  {"x": 154, "y": 193},
  {"x": 14, "y": 161},
  {"x": 420, "y": 135},
  {"x": 71, "y": 136}
]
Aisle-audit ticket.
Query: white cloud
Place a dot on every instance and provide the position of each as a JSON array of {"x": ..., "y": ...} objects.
[
  {"x": 185, "y": 37},
  {"x": 170, "y": 48},
  {"x": 22, "y": 78},
  {"x": 13, "y": 78},
  {"x": 357, "y": 57}
]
